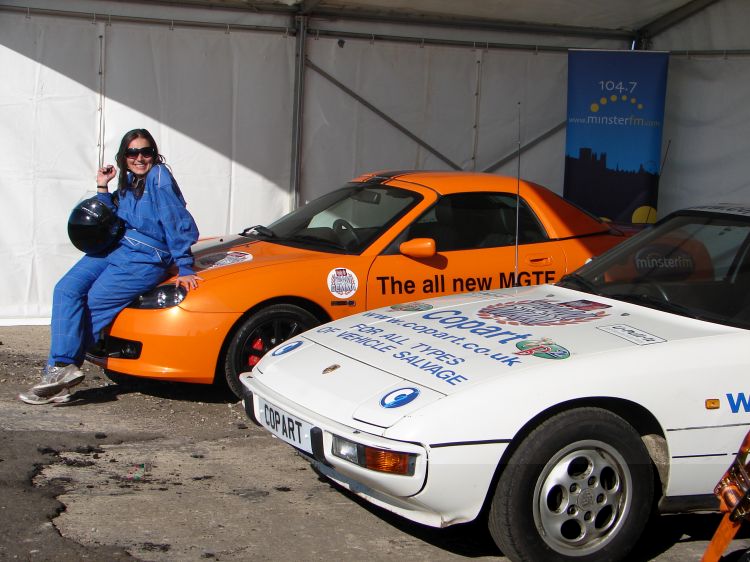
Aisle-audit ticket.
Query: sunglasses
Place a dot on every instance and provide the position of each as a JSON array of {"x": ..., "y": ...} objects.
[{"x": 147, "y": 152}]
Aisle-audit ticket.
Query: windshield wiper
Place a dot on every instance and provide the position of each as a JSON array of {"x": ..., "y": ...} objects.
[
  {"x": 258, "y": 230},
  {"x": 580, "y": 282},
  {"x": 316, "y": 240},
  {"x": 657, "y": 303}
]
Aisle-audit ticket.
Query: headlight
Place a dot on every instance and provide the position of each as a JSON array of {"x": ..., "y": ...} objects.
[
  {"x": 373, "y": 458},
  {"x": 163, "y": 296}
]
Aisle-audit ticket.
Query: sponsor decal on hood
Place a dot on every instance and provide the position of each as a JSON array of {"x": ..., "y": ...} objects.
[
  {"x": 399, "y": 397},
  {"x": 393, "y": 403},
  {"x": 543, "y": 348},
  {"x": 286, "y": 348},
  {"x": 631, "y": 334},
  {"x": 391, "y": 363},
  {"x": 221, "y": 259},
  {"x": 541, "y": 312},
  {"x": 412, "y": 306},
  {"x": 465, "y": 340}
]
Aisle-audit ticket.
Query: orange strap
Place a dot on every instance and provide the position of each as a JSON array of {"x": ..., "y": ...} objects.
[{"x": 721, "y": 539}]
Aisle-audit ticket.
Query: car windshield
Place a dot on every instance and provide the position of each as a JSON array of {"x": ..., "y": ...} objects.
[
  {"x": 347, "y": 220},
  {"x": 696, "y": 264}
]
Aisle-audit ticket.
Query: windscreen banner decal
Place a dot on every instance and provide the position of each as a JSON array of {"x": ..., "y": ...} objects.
[
  {"x": 539, "y": 313},
  {"x": 664, "y": 261},
  {"x": 342, "y": 282}
]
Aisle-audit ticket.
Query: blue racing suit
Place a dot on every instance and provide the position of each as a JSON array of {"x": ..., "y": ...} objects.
[{"x": 159, "y": 231}]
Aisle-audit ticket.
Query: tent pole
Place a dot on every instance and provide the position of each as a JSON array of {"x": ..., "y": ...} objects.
[
  {"x": 532, "y": 143},
  {"x": 382, "y": 114},
  {"x": 299, "y": 91}
]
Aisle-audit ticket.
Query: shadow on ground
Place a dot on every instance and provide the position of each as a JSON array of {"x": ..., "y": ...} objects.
[
  {"x": 665, "y": 531},
  {"x": 124, "y": 384},
  {"x": 473, "y": 539}
]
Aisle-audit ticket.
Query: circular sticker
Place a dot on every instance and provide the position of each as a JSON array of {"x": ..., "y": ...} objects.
[
  {"x": 399, "y": 397},
  {"x": 342, "y": 282},
  {"x": 286, "y": 348}
]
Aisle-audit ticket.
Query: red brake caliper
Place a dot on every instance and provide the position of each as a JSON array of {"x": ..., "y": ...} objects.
[{"x": 257, "y": 345}]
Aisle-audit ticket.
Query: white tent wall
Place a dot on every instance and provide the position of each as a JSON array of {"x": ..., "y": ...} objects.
[
  {"x": 428, "y": 91},
  {"x": 523, "y": 97},
  {"x": 220, "y": 102},
  {"x": 707, "y": 132},
  {"x": 48, "y": 117},
  {"x": 707, "y": 122},
  {"x": 466, "y": 103},
  {"x": 218, "y": 105}
]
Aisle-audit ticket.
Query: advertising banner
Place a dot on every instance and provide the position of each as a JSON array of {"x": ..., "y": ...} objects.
[{"x": 614, "y": 130}]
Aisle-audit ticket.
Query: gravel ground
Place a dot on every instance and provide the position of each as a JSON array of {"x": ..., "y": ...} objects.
[{"x": 164, "y": 471}]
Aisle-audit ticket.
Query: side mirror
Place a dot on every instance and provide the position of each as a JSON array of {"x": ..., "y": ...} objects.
[{"x": 419, "y": 248}]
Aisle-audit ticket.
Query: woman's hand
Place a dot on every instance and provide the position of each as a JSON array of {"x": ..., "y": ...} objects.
[
  {"x": 188, "y": 281},
  {"x": 105, "y": 174}
]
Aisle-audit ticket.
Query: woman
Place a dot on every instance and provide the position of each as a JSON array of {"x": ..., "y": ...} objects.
[{"x": 159, "y": 232}]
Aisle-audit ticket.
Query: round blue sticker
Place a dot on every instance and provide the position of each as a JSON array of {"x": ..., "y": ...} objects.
[
  {"x": 286, "y": 348},
  {"x": 399, "y": 397}
]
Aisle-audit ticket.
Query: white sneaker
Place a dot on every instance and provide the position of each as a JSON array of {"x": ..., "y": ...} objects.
[
  {"x": 31, "y": 398},
  {"x": 55, "y": 378}
]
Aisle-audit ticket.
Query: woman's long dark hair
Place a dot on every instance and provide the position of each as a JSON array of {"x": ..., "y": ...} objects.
[{"x": 121, "y": 159}]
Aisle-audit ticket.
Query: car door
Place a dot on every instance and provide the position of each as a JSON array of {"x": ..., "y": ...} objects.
[{"x": 474, "y": 236}]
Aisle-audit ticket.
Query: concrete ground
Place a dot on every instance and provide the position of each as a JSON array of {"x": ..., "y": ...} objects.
[{"x": 157, "y": 471}]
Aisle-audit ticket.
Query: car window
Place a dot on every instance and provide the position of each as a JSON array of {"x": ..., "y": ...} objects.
[
  {"x": 345, "y": 220},
  {"x": 694, "y": 264},
  {"x": 691, "y": 251},
  {"x": 465, "y": 221},
  {"x": 722, "y": 243},
  {"x": 364, "y": 209}
]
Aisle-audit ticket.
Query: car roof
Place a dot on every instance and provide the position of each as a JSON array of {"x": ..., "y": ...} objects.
[
  {"x": 446, "y": 182},
  {"x": 562, "y": 218},
  {"x": 742, "y": 209}
]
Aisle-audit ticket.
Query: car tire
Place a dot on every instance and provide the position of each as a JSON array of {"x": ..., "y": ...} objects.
[
  {"x": 260, "y": 332},
  {"x": 579, "y": 487}
]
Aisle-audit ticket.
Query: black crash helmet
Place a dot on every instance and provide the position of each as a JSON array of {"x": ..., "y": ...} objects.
[{"x": 93, "y": 227}]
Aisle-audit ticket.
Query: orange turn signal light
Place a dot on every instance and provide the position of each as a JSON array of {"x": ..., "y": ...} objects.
[
  {"x": 712, "y": 404},
  {"x": 388, "y": 461}
]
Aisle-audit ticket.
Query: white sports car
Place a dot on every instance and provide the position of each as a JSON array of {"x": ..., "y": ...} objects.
[{"x": 567, "y": 411}]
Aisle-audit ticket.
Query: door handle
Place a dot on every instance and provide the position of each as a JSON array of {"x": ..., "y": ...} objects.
[{"x": 538, "y": 261}]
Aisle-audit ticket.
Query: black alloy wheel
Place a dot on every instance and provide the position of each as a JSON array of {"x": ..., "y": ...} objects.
[{"x": 260, "y": 332}]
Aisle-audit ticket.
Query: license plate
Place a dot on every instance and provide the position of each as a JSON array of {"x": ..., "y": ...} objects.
[{"x": 285, "y": 426}]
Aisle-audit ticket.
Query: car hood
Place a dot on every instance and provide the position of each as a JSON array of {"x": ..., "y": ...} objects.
[
  {"x": 380, "y": 365},
  {"x": 233, "y": 253}
]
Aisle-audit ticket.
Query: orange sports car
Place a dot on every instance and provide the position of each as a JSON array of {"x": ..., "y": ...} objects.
[{"x": 381, "y": 239}]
